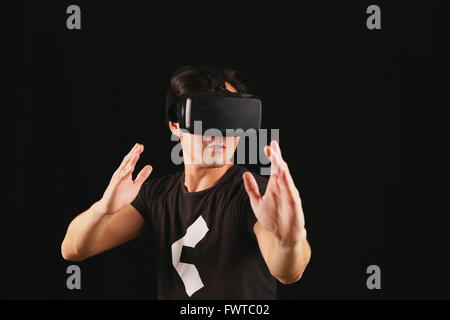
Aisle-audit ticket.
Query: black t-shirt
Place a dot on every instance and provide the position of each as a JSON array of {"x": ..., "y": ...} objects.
[{"x": 204, "y": 242}]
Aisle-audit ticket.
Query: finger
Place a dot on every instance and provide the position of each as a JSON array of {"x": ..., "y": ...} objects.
[
  {"x": 128, "y": 167},
  {"x": 124, "y": 172},
  {"x": 284, "y": 169},
  {"x": 252, "y": 188},
  {"x": 275, "y": 160},
  {"x": 288, "y": 191},
  {"x": 267, "y": 151},
  {"x": 288, "y": 175},
  {"x": 128, "y": 156},
  {"x": 135, "y": 157},
  {"x": 276, "y": 147},
  {"x": 283, "y": 165},
  {"x": 272, "y": 179},
  {"x": 131, "y": 164},
  {"x": 143, "y": 175}
]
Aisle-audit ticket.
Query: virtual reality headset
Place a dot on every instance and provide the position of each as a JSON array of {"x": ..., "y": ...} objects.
[{"x": 221, "y": 110}]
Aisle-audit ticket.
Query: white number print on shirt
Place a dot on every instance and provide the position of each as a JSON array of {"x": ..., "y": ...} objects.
[{"x": 187, "y": 271}]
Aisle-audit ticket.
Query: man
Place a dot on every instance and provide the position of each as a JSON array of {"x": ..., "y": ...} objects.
[{"x": 215, "y": 236}]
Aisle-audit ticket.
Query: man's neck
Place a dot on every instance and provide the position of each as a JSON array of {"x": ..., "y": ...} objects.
[{"x": 197, "y": 178}]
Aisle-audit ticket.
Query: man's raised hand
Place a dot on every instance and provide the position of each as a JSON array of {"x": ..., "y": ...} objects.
[
  {"x": 279, "y": 211},
  {"x": 122, "y": 189}
]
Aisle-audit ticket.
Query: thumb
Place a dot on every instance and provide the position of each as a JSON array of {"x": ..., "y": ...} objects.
[
  {"x": 252, "y": 188},
  {"x": 143, "y": 175}
]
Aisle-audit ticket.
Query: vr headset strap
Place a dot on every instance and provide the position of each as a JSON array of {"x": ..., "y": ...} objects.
[
  {"x": 215, "y": 77},
  {"x": 216, "y": 80}
]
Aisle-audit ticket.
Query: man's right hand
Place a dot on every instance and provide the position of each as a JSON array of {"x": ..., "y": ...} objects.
[{"x": 122, "y": 189}]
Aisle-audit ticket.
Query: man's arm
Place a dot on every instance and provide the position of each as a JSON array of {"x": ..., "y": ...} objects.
[
  {"x": 110, "y": 221},
  {"x": 280, "y": 229},
  {"x": 286, "y": 261},
  {"x": 94, "y": 231}
]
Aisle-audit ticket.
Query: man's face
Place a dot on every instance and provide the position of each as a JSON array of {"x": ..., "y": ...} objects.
[{"x": 206, "y": 151}]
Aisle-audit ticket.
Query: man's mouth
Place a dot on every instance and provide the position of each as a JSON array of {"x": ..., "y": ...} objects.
[{"x": 217, "y": 147}]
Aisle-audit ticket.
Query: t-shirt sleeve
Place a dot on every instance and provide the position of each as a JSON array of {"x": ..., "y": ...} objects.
[
  {"x": 246, "y": 214},
  {"x": 142, "y": 201}
]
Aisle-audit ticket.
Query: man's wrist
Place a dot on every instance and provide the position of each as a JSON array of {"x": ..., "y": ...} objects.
[
  {"x": 293, "y": 242},
  {"x": 98, "y": 209}
]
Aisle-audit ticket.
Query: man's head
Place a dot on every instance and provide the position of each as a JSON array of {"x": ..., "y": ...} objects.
[{"x": 205, "y": 151}]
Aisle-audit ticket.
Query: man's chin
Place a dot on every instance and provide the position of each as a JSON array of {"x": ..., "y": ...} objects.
[{"x": 214, "y": 165}]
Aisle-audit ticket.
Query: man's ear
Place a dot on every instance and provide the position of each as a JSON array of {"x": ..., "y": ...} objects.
[{"x": 175, "y": 128}]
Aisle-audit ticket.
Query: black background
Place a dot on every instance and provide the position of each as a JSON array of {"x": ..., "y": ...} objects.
[{"x": 362, "y": 115}]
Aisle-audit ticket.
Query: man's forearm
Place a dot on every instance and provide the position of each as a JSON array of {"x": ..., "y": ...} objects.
[
  {"x": 81, "y": 233},
  {"x": 286, "y": 262}
]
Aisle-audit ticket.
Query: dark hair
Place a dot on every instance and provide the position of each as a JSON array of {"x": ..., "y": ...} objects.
[
  {"x": 237, "y": 79},
  {"x": 190, "y": 79}
]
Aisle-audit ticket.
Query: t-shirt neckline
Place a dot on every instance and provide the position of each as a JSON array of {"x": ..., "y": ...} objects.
[{"x": 221, "y": 180}]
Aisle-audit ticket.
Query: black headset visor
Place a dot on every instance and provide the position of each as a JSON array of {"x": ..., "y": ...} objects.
[{"x": 224, "y": 112}]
